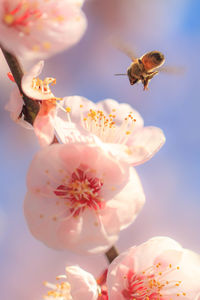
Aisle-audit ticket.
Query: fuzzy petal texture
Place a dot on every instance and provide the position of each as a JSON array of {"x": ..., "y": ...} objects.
[
  {"x": 157, "y": 269},
  {"x": 79, "y": 197},
  {"x": 38, "y": 29},
  {"x": 117, "y": 125}
]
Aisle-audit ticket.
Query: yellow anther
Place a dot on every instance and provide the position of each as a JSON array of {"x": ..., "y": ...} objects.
[
  {"x": 60, "y": 18},
  {"x": 68, "y": 109},
  {"x": 8, "y": 19},
  {"x": 47, "y": 45}
]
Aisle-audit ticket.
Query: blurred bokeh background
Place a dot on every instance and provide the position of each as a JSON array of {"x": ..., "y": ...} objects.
[{"x": 171, "y": 180}]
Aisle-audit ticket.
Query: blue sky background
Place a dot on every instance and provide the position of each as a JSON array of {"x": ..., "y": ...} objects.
[{"x": 171, "y": 180}]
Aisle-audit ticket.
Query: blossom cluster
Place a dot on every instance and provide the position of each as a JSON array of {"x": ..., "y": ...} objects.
[
  {"x": 82, "y": 185},
  {"x": 83, "y": 191},
  {"x": 159, "y": 269}
]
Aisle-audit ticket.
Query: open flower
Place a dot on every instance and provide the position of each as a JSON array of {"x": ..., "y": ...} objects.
[
  {"x": 77, "y": 284},
  {"x": 118, "y": 126},
  {"x": 40, "y": 91},
  {"x": 34, "y": 29},
  {"x": 79, "y": 197},
  {"x": 158, "y": 269}
]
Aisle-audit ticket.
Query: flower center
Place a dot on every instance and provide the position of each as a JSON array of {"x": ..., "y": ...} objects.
[
  {"x": 105, "y": 127},
  {"x": 20, "y": 16},
  {"x": 82, "y": 191},
  {"x": 42, "y": 86},
  {"x": 150, "y": 284}
]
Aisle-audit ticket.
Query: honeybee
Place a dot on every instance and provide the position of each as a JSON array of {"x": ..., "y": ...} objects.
[{"x": 146, "y": 67}]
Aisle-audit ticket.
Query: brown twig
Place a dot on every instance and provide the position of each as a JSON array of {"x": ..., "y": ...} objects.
[
  {"x": 111, "y": 254},
  {"x": 31, "y": 107}
]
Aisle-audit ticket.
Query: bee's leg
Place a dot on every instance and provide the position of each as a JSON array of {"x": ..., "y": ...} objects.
[
  {"x": 145, "y": 83},
  {"x": 146, "y": 80},
  {"x": 150, "y": 75}
]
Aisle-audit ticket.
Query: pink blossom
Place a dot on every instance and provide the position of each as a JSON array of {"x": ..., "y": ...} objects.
[
  {"x": 158, "y": 269},
  {"x": 35, "y": 88},
  {"x": 75, "y": 285},
  {"x": 38, "y": 90},
  {"x": 79, "y": 197},
  {"x": 117, "y": 125},
  {"x": 34, "y": 29}
]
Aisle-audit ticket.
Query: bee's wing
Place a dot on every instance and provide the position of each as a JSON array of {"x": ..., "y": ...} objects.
[
  {"x": 173, "y": 70},
  {"x": 125, "y": 48}
]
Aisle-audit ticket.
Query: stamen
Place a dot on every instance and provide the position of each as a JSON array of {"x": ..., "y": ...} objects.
[
  {"x": 150, "y": 283},
  {"x": 43, "y": 87},
  {"x": 22, "y": 15},
  {"x": 58, "y": 291},
  {"x": 81, "y": 192},
  {"x": 105, "y": 126}
]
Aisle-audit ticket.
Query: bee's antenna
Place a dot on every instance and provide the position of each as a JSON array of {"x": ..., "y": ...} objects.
[{"x": 120, "y": 74}]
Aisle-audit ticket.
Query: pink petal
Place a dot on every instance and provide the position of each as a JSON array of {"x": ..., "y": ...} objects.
[
  {"x": 14, "y": 106},
  {"x": 134, "y": 199},
  {"x": 86, "y": 283},
  {"x": 120, "y": 110},
  {"x": 143, "y": 144},
  {"x": 44, "y": 128}
]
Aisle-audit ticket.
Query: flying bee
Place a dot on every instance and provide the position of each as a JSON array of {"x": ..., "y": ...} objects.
[{"x": 146, "y": 67}]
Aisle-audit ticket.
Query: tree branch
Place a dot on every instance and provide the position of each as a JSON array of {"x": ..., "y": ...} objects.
[
  {"x": 111, "y": 254},
  {"x": 31, "y": 107}
]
